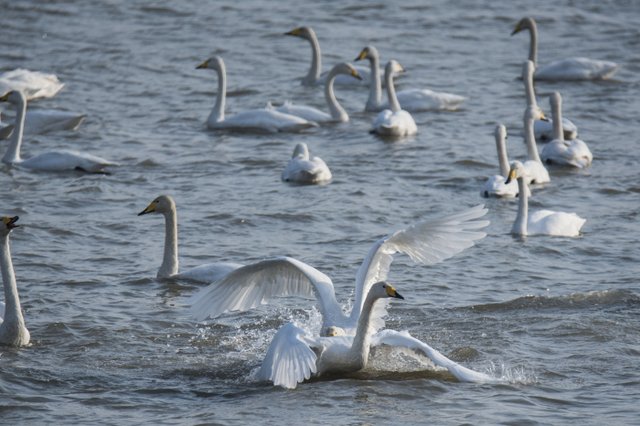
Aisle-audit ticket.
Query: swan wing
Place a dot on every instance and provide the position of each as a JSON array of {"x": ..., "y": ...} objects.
[
  {"x": 495, "y": 187},
  {"x": 265, "y": 120},
  {"x": 428, "y": 100},
  {"x": 543, "y": 129},
  {"x": 560, "y": 224},
  {"x": 574, "y": 153},
  {"x": 209, "y": 272},
  {"x": 306, "y": 171},
  {"x": 399, "y": 123},
  {"x": 47, "y": 120},
  {"x": 576, "y": 69},
  {"x": 303, "y": 111},
  {"x": 67, "y": 160}
]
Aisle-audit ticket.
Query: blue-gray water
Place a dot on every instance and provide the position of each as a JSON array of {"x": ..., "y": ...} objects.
[{"x": 557, "y": 317}]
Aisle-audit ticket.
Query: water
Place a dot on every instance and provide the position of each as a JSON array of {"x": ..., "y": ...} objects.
[{"x": 556, "y": 317}]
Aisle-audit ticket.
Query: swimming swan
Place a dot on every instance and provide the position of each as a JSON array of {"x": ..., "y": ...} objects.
[
  {"x": 564, "y": 69},
  {"x": 54, "y": 161},
  {"x": 561, "y": 152},
  {"x": 541, "y": 222},
  {"x": 304, "y": 169},
  {"x": 252, "y": 120},
  {"x": 411, "y": 99},
  {"x": 34, "y": 84},
  {"x": 13, "y": 331},
  {"x": 337, "y": 112},
  {"x": 426, "y": 242},
  {"x": 537, "y": 173},
  {"x": 495, "y": 185},
  {"x": 206, "y": 273},
  {"x": 395, "y": 121}
]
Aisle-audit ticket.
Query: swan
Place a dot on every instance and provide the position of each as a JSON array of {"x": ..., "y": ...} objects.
[
  {"x": 40, "y": 121},
  {"x": 536, "y": 172},
  {"x": 294, "y": 356},
  {"x": 305, "y": 170},
  {"x": 559, "y": 151},
  {"x": 542, "y": 126},
  {"x": 206, "y": 273},
  {"x": 252, "y": 120},
  {"x": 426, "y": 242},
  {"x": 411, "y": 99},
  {"x": 34, "y": 84},
  {"x": 337, "y": 112},
  {"x": 541, "y": 222},
  {"x": 13, "y": 331},
  {"x": 394, "y": 121},
  {"x": 53, "y": 161},
  {"x": 564, "y": 69},
  {"x": 495, "y": 185}
]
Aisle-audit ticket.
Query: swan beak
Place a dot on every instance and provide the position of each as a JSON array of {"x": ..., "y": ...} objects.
[
  {"x": 512, "y": 176},
  {"x": 5, "y": 97},
  {"x": 363, "y": 55},
  {"x": 150, "y": 209},
  {"x": 391, "y": 292},
  {"x": 517, "y": 29},
  {"x": 205, "y": 64},
  {"x": 294, "y": 32},
  {"x": 10, "y": 222},
  {"x": 355, "y": 74}
]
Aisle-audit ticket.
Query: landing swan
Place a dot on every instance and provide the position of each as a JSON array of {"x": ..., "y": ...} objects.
[
  {"x": 536, "y": 171},
  {"x": 541, "y": 222},
  {"x": 13, "y": 331},
  {"x": 337, "y": 112},
  {"x": 411, "y": 99},
  {"x": 206, "y": 273},
  {"x": 40, "y": 121},
  {"x": 304, "y": 169},
  {"x": 574, "y": 153},
  {"x": 252, "y": 120},
  {"x": 34, "y": 84},
  {"x": 294, "y": 356},
  {"x": 495, "y": 186},
  {"x": 542, "y": 126},
  {"x": 564, "y": 69},
  {"x": 395, "y": 121},
  {"x": 54, "y": 161},
  {"x": 426, "y": 242}
]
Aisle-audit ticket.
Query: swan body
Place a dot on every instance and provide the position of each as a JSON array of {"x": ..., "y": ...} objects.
[
  {"x": 541, "y": 222},
  {"x": 40, "y": 121},
  {"x": 337, "y": 112},
  {"x": 573, "y": 153},
  {"x": 395, "y": 121},
  {"x": 206, "y": 273},
  {"x": 304, "y": 169},
  {"x": 34, "y": 84},
  {"x": 576, "y": 68},
  {"x": 13, "y": 331},
  {"x": 495, "y": 185},
  {"x": 536, "y": 171},
  {"x": 261, "y": 120},
  {"x": 54, "y": 161},
  {"x": 426, "y": 242},
  {"x": 411, "y": 100}
]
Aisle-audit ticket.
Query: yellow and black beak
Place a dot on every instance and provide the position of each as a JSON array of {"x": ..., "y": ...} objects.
[
  {"x": 363, "y": 54},
  {"x": 5, "y": 97},
  {"x": 205, "y": 64},
  {"x": 10, "y": 221},
  {"x": 517, "y": 29},
  {"x": 294, "y": 32},
  {"x": 355, "y": 74},
  {"x": 512, "y": 176},
  {"x": 391, "y": 292},
  {"x": 151, "y": 208}
]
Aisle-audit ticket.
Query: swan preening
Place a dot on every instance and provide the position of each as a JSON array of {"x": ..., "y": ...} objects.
[
  {"x": 53, "y": 161},
  {"x": 263, "y": 120},
  {"x": 394, "y": 122},
  {"x": 564, "y": 69},
  {"x": 304, "y": 169},
  {"x": 495, "y": 185},
  {"x": 540, "y": 222},
  {"x": 34, "y": 84},
  {"x": 574, "y": 153},
  {"x": 336, "y": 111},
  {"x": 411, "y": 99},
  {"x": 13, "y": 331},
  {"x": 169, "y": 268}
]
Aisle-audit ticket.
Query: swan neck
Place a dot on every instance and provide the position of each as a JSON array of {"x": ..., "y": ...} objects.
[
  {"x": 335, "y": 109},
  {"x": 13, "y": 152},
  {"x": 556, "y": 114},
  {"x": 503, "y": 160},
  {"x": 394, "y": 105},
  {"x": 529, "y": 137},
  {"x": 13, "y": 313},
  {"x": 217, "y": 113},
  {"x": 375, "y": 84},
  {"x": 530, "y": 91},
  {"x": 533, "y": 43},
  {"x": 362, "y": 340},
  {"x": 520, "y": 225},
  {"x": 313, "y": 75},
  {"x": 170, "y": 264}
]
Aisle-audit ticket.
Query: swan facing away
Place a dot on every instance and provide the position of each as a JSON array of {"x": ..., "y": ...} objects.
[
  {"x": 53, "y": 161},
  {"x": 34, "y": 84},
  {"x": 495, "y": 185},
  {"x": 336, "y": 111},
  {"x": 410, "y": 99},
  {"x": 206, "y": 273},
  {"x": 13, "y": 331},
  {"x": 574, "y": 153},
  {"x": 540, "y": 222},
  {"x": 304, "y": 169},
  {"x": 564, "y": 69},
  {"x": 261, "y": 120},
  {"x": 537, "y": 173},
  {"x": 394, "y": 122}
]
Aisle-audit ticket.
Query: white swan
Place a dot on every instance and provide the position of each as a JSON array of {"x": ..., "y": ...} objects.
[
  {"x": 13, "y": 331},
  {"x": 206, "y": 273},
  {"x": 541, "y": 222},
  {"x": 304, "y": 169},
  {"x": 536, "y": 171},
  {"x": 426, "y": 242},
  {"x": 559, "y": 151},
  {"x": 395, "y": 121},
  {"x": 252, "y": 120},
  {"x": 410, "y": 99},
  {"x": 564, "y": 69},
  {"x": 495, "y": 185},
  {"x": 34, "y": 84},
  {"x": 314, "y": 77},
  {"x": 542, "y": 126},
  {"x": 40, "y": 121},
  {"x": 53, "y": 161},
  {"x": 294, "y": 356},
  {"x": 336, "y": 111}
]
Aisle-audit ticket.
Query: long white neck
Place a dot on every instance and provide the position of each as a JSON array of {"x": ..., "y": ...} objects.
[
  {"x": 217, "y": 113},
  {"x": 12, "y": 329},
  {"x": 533, "y": 42},
  {"x": 394, "y": 105},
  {"x": 335, "y": 109},
  {"x": 503, "y": 160},
  {"x": 374, "y": 102},
  {"x": 530, "y": 139},
  {"x": 12, "y": 155},
  {"x": 313, "y": 75},
  {"x": 520, "y": 225},
  {"x": 529, "y": 89},
  {"x": 170, "y": 264},
  {"x": 556, "y": 114},
  {"x": 362, "y": 340}
]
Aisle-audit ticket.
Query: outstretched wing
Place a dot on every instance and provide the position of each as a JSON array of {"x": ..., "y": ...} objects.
[
  {"x": 404, "y": 339},
  {"x": 258, "y": 283}
]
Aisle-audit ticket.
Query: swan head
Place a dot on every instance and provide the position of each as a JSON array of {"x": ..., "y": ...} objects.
[
  {"x": 393, "y": 68},
  {"x": 384, "y": 289},
  {"x": 526, "y": 23},
  {"x": 14, "y": 97},
  {"x": 301, "y": 151},
  {"x": 163, "y": 204},
  {"x": 303, "y": 32},
  {"x": 555, "y": 100},
  {"x": 500, "y": 132},
  {"x": 517, "y": 171},
  {"x": 8, "y": 223},
  {"x": 369, "y": 52},
  {"x": 214, "y": 63},
  {"x": 533, "y": 112},
  {"x": 334, "y": 331},
  {"x": 345, "y": 68}
]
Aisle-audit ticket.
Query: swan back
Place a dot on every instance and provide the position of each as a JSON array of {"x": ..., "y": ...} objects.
[{"x": 304, "y": 169}]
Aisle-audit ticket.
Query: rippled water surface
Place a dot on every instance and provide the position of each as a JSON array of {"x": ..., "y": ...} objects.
[{"x": 557, "y": 318}]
